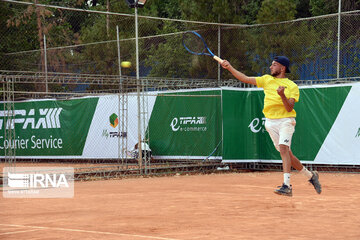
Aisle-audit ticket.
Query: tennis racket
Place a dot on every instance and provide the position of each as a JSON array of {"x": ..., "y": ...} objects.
[{"x": 194, "y": 43}]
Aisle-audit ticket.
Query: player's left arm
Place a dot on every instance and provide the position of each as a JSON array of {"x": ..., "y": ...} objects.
[{"x": 289, "y": 103}]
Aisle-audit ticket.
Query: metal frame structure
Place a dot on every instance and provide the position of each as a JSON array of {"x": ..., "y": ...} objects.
[{"x": 9, "y": 130}]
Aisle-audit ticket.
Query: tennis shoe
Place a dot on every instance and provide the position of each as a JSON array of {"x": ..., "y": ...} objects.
[
  {"x": 314, "y": 180},
  {"x": 284, "y": 190}
]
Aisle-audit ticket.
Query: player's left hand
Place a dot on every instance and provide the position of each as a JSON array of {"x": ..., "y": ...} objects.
[{"x": 281, "y": 90}]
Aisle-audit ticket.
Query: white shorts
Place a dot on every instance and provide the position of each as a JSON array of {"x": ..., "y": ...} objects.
[{"x": 280, "y": 130}]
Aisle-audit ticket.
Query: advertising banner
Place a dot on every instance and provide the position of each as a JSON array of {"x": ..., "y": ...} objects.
[
  {"x": 223, "y": 123},
  {"x": 342, "y": 144},
  {"x": 48, "y": 127},
  {"x": 187, "y": 125},
  {"x": 326, "y": 132},
  {"x": 244, "y": 132},
  {"x": 107, "y": 138}
]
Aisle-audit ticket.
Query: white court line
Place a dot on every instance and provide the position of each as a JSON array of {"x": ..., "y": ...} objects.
[
  {"x": 88, "y": 231},
  {"x": 8, "y": 229},
  {"x": 31, "y": 230}
]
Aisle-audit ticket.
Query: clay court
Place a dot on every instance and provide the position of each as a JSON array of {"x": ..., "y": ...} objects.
[{"x": 216, "y": 206}]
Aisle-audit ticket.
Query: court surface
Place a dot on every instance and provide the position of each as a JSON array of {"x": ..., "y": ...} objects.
[{"x": 217, "y": 206}]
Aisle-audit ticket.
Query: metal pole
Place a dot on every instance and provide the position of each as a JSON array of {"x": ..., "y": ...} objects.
[
  {"x": 118, "y": 46},
  {"x": 138, "y": 88},
  {"x": 45, "y": 62},
  {"x": 9, "y": 131},
  {"x": 338, "y": 43},
  {"x": 120, "y": 150},
  {"x": 219, "y": 53}
]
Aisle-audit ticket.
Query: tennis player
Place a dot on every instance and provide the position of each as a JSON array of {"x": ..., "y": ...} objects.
[{"x": 280, "y": 97}]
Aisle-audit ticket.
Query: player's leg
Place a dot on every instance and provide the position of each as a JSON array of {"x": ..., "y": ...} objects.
[
  {"x": 273, "y": 128},
  {"x": 281, "y": 134},
  {"x": 286, "y": 131},
  {"x": 295, "y": 162},
  {"x": 285, "y": 189},
  {"x": 312, "y": 176},
  {"x": 285, "y": 156},
  {"x": 314, "y": 180}
]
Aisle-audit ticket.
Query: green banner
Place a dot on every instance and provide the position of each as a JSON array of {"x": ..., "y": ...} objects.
[
  {"x": 49, "y": 127},
  {"x": 186, "y": 124},
  {"x": 244, "y": 133},
  {"x": 316, "y": 114},
  {"x": 245, "y": 136}
]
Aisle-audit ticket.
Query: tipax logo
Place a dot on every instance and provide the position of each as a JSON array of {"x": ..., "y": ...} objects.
[
  {"x": 257, "y": 125},
  {"x": 114, "y": 120},
  {"x": 45, "y": 118},
  {"x": 188, "y": 124},
  {"x": 114, "y": 123},
  {"x": 38, "y": 182}
]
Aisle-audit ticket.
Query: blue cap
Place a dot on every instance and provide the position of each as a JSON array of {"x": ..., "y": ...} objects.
[{"x": 283, "y": 61}]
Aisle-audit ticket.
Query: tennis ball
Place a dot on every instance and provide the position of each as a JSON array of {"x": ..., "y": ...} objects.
[{"x": 125, "y": 64}]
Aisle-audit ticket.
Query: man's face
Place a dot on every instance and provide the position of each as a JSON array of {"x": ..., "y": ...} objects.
[{"x": 276, "y": 68}]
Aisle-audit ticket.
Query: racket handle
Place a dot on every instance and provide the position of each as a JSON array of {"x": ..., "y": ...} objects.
[{"x": 218, "y": 59}]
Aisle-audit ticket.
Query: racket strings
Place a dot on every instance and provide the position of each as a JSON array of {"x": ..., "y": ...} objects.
[{"x": 193, "y": 43}]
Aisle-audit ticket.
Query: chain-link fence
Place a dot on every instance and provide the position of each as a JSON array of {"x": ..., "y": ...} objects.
[
  {"x": 58, "y": 53},
  {"x": 38, "y": 39}
]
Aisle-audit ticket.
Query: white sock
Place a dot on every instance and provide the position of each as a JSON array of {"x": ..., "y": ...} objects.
[
  {"x": 287, "y": 179},
  {"x": 306, "y": 172}
]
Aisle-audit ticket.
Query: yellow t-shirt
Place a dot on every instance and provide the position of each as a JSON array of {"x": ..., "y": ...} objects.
[{"x": 273, "y": 105}]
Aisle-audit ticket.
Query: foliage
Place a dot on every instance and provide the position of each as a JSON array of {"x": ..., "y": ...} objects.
[
  {"x": 322, "y": 7},
  {"x": 94, "y": 35},
  {"x": 276, "y": 11}
]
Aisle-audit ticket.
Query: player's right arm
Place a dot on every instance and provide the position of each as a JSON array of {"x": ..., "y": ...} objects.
[{"x": 238, "y": 75}]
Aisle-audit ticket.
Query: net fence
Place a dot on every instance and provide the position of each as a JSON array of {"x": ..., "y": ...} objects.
[
  {"x": 59, "y": 53},
  {"x": 38, "y": 38}
]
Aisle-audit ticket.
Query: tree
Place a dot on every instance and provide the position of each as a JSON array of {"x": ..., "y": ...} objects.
[
  {"x": 276, "y": 11},
  {"x": 350, "y": 5},
  {"x": 250, "y": 9},
  {"x": 27, "y": 20},
  {"x": 323, "y": 7},
  {"x": 226, "y": 11},
  {"x": 302, "y": 9},
  {"x": 166, "y": 56},
  {"x": 248, "y": 47},
  {"x": 10, "y": 30},
  {"x": 291, "y": 39}
]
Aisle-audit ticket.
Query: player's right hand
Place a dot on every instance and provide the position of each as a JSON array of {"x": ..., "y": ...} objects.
[{"x": 225, "y": 64}]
